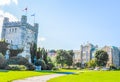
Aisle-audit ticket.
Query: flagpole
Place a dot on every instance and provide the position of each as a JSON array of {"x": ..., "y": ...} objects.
[
  {"x": 26, "y": 13},
  {"x": 26, "y": 9},
  {"x": 34, "y": 19}
]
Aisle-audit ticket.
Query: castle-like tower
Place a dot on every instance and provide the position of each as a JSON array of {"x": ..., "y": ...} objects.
[{"x": 20, "y": 35}]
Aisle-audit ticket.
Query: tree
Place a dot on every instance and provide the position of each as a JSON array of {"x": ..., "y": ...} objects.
[
  {"x": 101, "y": 57},
  {"x": 3, "y": 62},
  {"x": 69, "y": 58},
  {"x": 43, "y": 60},
  {"x": 60, "y": 58},
  {"x": 64, "y": 57},
  {"x": 78, "y": 64},
  {"x": 39, "y": 53},
  {"x": 44, "y": 53},
  {"x": 3, "y": 47},
  {"x": 91, "y": 63},
  {"x": 33, "y": 51}
]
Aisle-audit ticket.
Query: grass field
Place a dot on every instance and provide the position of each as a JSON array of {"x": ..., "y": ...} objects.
[
  {"x": 9, "y": 76},
  {"x": 90, "y": 76}
]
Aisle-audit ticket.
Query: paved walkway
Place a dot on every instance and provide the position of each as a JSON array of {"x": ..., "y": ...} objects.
[{"x": 39, "y": 78}]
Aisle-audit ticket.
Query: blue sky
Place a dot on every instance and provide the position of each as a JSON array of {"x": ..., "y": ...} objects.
[{"x": 65, "y": 24}]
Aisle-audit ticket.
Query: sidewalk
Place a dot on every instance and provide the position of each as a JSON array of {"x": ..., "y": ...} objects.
[{"x": 39, "y": 78}]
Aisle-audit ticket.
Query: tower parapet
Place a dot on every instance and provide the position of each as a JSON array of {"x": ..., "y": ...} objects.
[{"x": 23, "y": 19}]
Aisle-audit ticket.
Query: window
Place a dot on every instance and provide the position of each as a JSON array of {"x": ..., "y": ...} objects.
[
  {"x": 15, "y": 29},
  {"x": 12, "y": 30},
  {"x": 9, "y": 30}
]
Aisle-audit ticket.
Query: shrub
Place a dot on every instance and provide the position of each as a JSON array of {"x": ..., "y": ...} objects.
[
  {"x": 41, "y": 63},
  {"x": 78, "y": 64},
  {"x": 17, "y": 67},
  {"x": 20, "y": 61},
  {"x": 15, "y": 52},
  {"x": 92, "y": 63},
  {"x": 30, "y": 66},
  {"x": 7, "y": 67},
  {"x": 55, "y": 68},
  {"x": 3, "y": 62},
  {"x": 50, "y": 65},
  {"x": 17, "y": 60},
  {"x": 112, "y": 67}
]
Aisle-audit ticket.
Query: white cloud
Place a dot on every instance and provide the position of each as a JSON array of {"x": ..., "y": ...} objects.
[
  {"x": 15, "y": 1},
  {"x": 7, "y": 2},
  {"x": 6, "y": 14},
  {"x": 41, "y": 39}
]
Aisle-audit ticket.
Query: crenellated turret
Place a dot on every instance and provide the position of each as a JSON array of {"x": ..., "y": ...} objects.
[
  {"x": 23, "y": 19},
  {"x": 20, "y": 35}
]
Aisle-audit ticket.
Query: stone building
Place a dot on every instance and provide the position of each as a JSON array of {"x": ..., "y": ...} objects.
[
  {"x": 52, "y": 54},
  {"x": 113, "y": 55},
  {"x": 76, "y": 57},
  {"x": 20, "y": 35},
  {"x": 86, "y": 52}
]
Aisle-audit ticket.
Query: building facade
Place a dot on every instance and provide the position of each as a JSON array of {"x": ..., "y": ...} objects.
[
  {"x": 76, "y": 57},
  {"x": 20, "y": 35},
  {"x": 86, "y": 52},
  {"x": 113, "y": 55}
]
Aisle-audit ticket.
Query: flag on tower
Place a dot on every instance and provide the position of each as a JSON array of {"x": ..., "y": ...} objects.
[{"x": 25, "y": 9}]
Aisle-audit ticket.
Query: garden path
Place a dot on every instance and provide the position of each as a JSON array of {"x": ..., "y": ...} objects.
[{"x": 43, "y": 78}]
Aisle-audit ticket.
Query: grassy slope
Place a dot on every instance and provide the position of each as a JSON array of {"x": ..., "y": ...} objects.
[
  {"x": 13, "y": 75},
  {"x": 90, "y": 76}
]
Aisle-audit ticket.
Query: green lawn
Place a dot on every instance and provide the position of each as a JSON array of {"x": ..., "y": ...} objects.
[
  {"x": 90, "y": 76},
  {"x": 9, "y": 76}
]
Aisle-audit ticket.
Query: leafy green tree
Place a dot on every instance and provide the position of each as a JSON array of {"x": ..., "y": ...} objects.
[
  {"x": 69, "y": 58},
  {"x": 101, "y": 57},
  {"x": 60, "y": 58},
  {"x": 64, "y": 57},
  {"x": 92, "y": 63}
]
